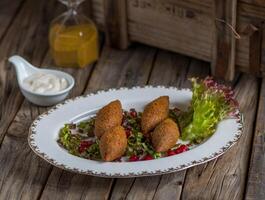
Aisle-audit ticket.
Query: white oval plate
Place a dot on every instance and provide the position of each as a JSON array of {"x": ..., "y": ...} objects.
[{"x": 44, "y": 133}]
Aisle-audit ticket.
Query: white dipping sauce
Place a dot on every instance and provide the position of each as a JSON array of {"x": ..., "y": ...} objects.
[{"x": 45, "y": 83}]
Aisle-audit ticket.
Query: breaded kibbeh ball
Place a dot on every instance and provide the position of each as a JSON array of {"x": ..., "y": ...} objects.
[
  {"x": 113, "y": 144},
  {"x": 165, "y": 135},
  {"x": 154, "y": 113},
  {"x": 108, "y": 117}
]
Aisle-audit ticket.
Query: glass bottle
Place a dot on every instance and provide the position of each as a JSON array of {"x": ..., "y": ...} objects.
[{"x": 73, "y": 38}]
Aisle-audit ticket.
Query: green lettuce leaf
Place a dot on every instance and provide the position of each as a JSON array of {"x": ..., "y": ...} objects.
[{"x": 210, "y": 104}]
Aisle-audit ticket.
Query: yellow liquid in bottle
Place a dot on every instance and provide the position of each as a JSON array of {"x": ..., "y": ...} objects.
[{"x": 74, "y": 45}]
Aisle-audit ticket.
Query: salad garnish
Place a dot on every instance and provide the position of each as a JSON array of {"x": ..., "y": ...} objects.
[{"x": 211, "y": 103}]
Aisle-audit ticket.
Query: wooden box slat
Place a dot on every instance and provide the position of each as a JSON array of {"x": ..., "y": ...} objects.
[{"x": 187, "y": 27}]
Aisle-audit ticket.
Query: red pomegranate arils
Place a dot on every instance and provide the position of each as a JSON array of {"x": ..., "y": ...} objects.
[
  {"x": 181, "y": 149},
  {"x": 128, "y": 133},
  {"x": 85, "y": 144},
  {"x": 133, "y": 158},
  {"x": 81, "y": 149},
  {"x": 133, "y": 113},
  {"x": 148, "y": 157},
  {"x": 171, "y": 153}
]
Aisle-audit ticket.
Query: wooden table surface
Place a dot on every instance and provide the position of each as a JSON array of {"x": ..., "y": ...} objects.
[{"x": 238, "y": 174}]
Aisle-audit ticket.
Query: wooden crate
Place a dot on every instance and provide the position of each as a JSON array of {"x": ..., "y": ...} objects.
[{"x": 191, "y": 27}]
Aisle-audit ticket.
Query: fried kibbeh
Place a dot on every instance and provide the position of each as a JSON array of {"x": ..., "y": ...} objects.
[
  {"x": 113, "y": 143},
  {"x": 154, "y": 113},
  {"x": 108, "y": 117},
  {"x": 165, "y": 135}
]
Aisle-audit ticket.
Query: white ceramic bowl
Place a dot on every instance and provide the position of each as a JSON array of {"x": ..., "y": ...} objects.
[
  {"x": 49, "y": 99},
  {"x": 25, "y": 69}
]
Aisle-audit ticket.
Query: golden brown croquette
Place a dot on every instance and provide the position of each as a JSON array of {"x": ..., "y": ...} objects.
[
  {"x": 108, "y": 117},
  {"x": 154, "y": 113},
  {"x": 113, "y": 143},
  {"x": 165, "y": 135}
]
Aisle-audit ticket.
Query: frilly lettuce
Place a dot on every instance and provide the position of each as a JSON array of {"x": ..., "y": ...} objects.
[{"x": 211, "y": 103}]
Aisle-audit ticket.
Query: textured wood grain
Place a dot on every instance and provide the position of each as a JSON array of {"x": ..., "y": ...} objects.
[
  {"x": 24, "y": 176},
  {"x": 224, "y": 42},
  {"x": 256, "y": 174},
  {"x": 263, "y": 50},
  {"x": 116, "y": 23},
  {"x": 255, "y": 45},
  {"x": 179, "y": 26},
  {"x": 224, "y": 178},
  {"x": 115, "y": 69},
  {"x": 98, "y": 13},
  {"x": 8, "y": 12},
  {"x": 173, "y": 70},
  {"x": 251, "y": 11},
  {"x": 23, "y": 173},
  {"x": 247, "y": 14},
  {"x": 188, "y": 26},
  {"x": 34, "y": 171},
  {"x": 254, "y": 2},
  {"x": 27, "y": 36}
]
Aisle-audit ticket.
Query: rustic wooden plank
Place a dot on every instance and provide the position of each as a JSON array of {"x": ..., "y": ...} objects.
[
  {"x": 255, "y": 44},
  {"x": 173, "y": 70},
  {"x": 116, "y": 23},
  {"x": 247, "y": 14},
  {"x": 224, "y": 43},
  {"x": 251, "y": 11},
  {"x": 25, "y": 37},
  {"x": 33, "y": 176},
  {"x": 224, "y": 178},
  {"x": 180, "y": 26},
  {"x": 172, "y": 40},
  {"x": 115, "y": 69},
  {"x": 23, "y": 173},
  {"x": 98, "y": 13},
  {"x": 254, "y": 2},
  {"x": 186, "y": 26},
  {"x": 8, "y": 13},
  {"x": 263, "y": 50},
  {"x": 256, "y": 175}
]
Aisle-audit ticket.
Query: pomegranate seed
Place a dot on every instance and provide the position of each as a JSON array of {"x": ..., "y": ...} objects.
[
  {"x": 181, "y": 149},
  {"x": 128, "y": 133},
  {"x": 171, "y": 153},
  {"x": 133, "y": 113},
  {"x": 85, "y": 144},
  {"x": 81, "y": 149},
  {"x": 133, "y": 158},
  {"x": 148, "y": 157}
]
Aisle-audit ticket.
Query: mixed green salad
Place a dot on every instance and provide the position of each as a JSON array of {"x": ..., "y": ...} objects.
[{"x": 211, "y": 103}]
